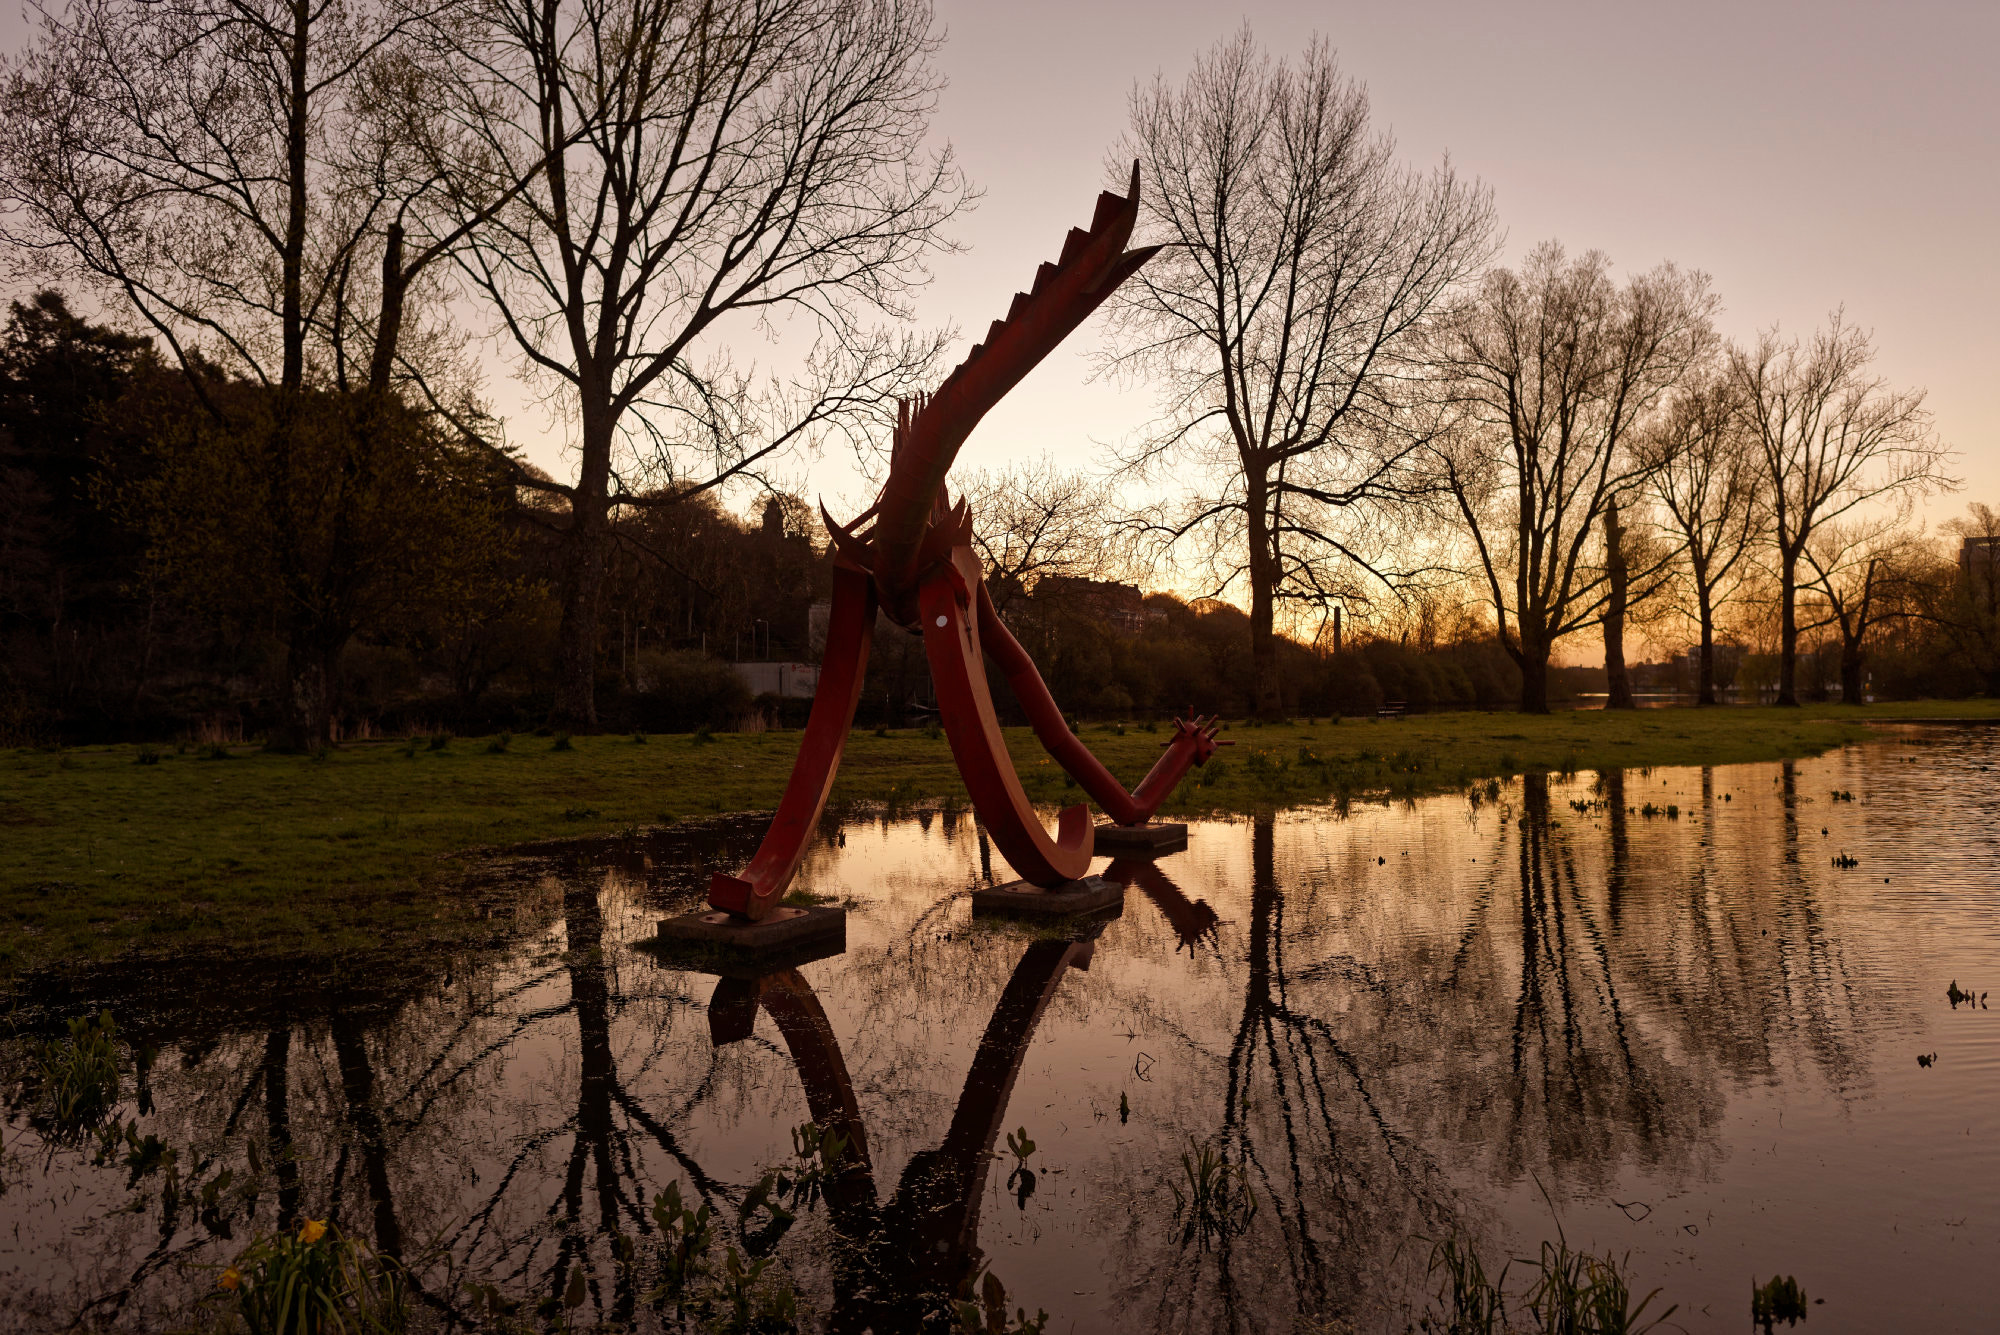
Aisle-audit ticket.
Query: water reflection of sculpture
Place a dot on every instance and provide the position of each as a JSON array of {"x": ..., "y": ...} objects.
[
  {"x": 902, "y": 1260},
  {"x": 916, "y": 564}
]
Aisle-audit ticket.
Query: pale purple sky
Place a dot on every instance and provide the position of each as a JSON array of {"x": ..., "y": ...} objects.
[{"x": 1807, "y": 155}]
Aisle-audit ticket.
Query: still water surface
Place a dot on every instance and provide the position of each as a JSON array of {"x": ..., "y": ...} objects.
[{"x": 1689, "y": 1037}]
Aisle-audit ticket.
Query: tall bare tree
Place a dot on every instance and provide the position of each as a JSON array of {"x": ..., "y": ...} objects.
[
  {"x": 1833, "y": 438},
  {"x": 1861, "y": 576},
  {"x": 698, "y": 171},
  {"x": 1034, "y": 520},
  {"x": 1552, "y": 370},
  {"x": 228, "y": 170},
  {"x": 182, "y": 154},
  {"x": 1303, "y": 263},
  {"x": 1704, "y": 478}
]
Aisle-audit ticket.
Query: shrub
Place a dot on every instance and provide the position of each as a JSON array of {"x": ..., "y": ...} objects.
[{"x": 680, "y": 691}]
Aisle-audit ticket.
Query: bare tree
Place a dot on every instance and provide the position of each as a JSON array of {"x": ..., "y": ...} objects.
[
  {"x": 1963, "y": 597},
  {"x": 1704, "y": 478},
  {"x": 1552, "y": 370},
  {"x": 1034, "y": 520},
  {"x": 696, "y": 170},
  {"x": 1863, "y": 575},
  {"x": 1833, "y": 438},
  {"x": 1303, "y": 263},
  {"x": 183, "y": 155}
]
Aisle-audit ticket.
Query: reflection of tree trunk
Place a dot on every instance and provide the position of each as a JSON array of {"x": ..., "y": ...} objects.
[
  {"x": 1788, "y": 805},
  {"x": 278, "y": 1122},
  {"x": 1621, "y": 848},
  {"x": 590, "y": 997},
  {"x": 1264, "y": 981},
  {"x": 357, "y": 1080},
  {"x": 1528, "y": 1006}
]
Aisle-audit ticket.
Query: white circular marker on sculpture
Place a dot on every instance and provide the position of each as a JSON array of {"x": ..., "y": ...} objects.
[{"x": 940, "y": 621}]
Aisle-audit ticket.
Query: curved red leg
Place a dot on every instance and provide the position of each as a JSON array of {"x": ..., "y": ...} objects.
[
  {"x": 850, "y": 631},
  {"x": 1193, "y": 741},
  {"x": 958, "y": 671}
]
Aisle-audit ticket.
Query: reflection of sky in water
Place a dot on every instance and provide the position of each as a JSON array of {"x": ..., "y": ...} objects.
[{"x": 1695, "y": 1033}]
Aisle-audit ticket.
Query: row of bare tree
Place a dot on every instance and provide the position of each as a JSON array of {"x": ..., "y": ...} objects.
[
  {"x": 323, "y": 209},
  {"x": 1374, "y": 408}
]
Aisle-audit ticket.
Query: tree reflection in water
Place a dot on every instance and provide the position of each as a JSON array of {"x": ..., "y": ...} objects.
[{"x": 1384, "y": 1050}]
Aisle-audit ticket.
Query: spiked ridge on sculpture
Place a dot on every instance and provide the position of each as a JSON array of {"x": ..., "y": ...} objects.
[{"x": 916, "y": 563}]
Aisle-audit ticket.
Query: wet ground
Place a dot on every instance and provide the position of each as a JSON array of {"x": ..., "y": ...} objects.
[{"x": 1655, "y": 1010}]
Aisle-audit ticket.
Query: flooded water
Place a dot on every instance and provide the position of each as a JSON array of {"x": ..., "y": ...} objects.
[{"x": 1647, "y": 1009}]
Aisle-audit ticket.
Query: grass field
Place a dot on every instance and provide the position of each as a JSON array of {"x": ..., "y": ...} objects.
[{"x": 101, "y": 854}]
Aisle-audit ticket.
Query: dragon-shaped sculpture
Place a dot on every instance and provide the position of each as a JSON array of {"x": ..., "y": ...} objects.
[{"x": 916, "y": 563}]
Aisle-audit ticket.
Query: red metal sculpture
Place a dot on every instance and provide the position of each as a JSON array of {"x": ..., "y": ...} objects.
[{"x": 917, "y": 564}]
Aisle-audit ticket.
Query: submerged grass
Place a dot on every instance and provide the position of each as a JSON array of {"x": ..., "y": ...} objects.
[{"x": 102, "y": 855}]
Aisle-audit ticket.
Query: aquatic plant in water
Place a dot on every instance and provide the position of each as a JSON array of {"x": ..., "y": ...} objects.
[
  {"x": 1780, "y": 1300},
  {"x": 1216, "y": 1203},
  {"x": 1571, "y": 1293},
  {"x": 316, "y": 1279},
  {"x": 78, "y": 1077}
]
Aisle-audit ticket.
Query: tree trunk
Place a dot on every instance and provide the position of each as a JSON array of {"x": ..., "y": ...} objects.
[
  {"x": 1788, "y": 630},
  {"x": 1617, "y": 681},
  {"x": 297, "y": 142},
  {"x": 1851, "y": 661},
  {"x": 311, "y": 670},
  {"x": 1534, "y": 678},
  {"x": 389, "y": 325},
  {"x": 1705, "y": 689},
  {"x": 1267, "y": 700},
  {"x": 583, "y": 575},
  {"x": 583, "y": 579}
]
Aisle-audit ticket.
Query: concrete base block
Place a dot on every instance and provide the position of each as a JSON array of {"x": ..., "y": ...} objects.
[
  {"x": 1092, "y": 894},
  {"x": 722, "y": 943},
  {"x": 1152, "y": 840}
]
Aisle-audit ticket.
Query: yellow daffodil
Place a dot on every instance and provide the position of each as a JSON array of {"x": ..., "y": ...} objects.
[
  {"x": 312, "y": 1230},
  {"x": 232, "y": 1278}
]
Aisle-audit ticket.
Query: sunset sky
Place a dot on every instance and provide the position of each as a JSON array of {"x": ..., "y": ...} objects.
[{"x": 1805, "y": 155}]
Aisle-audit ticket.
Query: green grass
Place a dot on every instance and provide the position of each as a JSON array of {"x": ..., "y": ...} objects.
[{"x": 101, "y": 854}]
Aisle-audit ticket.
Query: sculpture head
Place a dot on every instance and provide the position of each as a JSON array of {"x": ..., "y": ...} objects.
[{"x": 915, "y": 525}]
